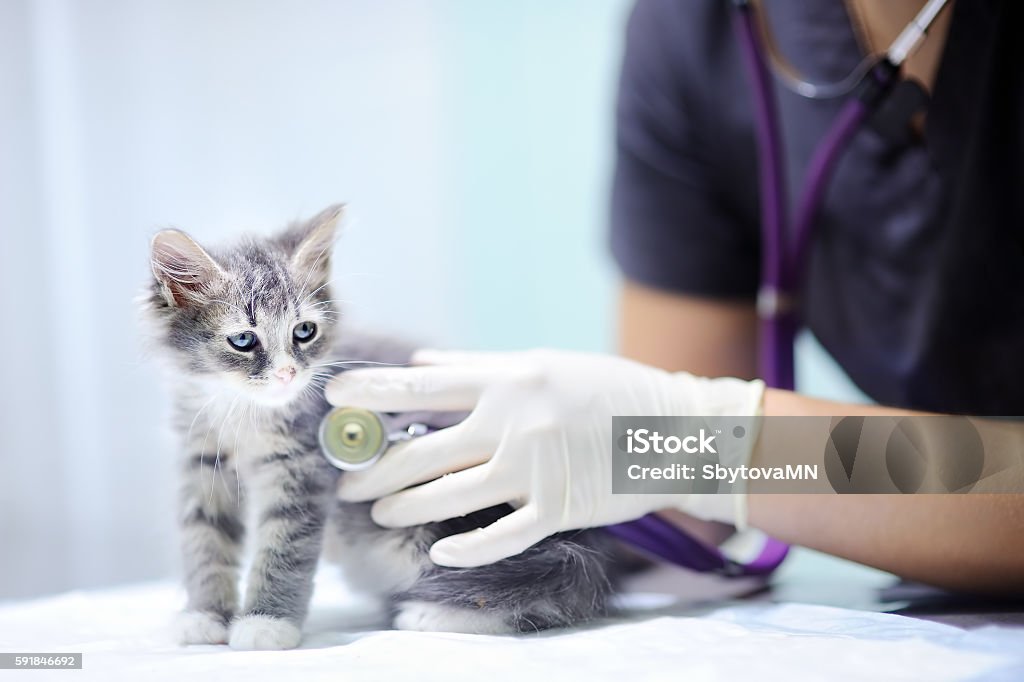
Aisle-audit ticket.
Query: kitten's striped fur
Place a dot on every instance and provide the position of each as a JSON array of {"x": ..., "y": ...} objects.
[{"x": 251, "y": 465}]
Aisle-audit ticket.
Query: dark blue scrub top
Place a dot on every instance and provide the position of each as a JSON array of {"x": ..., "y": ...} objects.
[{"x": 916, "y": 278}]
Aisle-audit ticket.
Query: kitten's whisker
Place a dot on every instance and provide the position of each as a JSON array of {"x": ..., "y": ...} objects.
[
  {"x": 343, "y": 363},
  {"x": 217, "y": 300},
  {"x": 312, "y": 293},
  {"x": 216, "y": 461},
  {"x": 307, "y": 391},
  {"x": 316, "y": 262},
  {"x": 202, "y": 450},
  {"x": 238, "y": 427},
  {"x": 328, "y": 301},
  {"x": 312, "y": 269},
  {"x": 188, "y": 436},
  {"x": 315, "y": 385}
]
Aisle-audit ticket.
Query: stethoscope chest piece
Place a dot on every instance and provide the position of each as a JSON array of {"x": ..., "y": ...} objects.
[{"x": 353, "y": 438}]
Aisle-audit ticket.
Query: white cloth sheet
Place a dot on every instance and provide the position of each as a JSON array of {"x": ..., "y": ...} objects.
[{"x": 122, "y": 634}]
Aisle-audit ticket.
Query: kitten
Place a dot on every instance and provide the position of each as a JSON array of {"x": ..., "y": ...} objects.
[{"x": 251, "y": 335}]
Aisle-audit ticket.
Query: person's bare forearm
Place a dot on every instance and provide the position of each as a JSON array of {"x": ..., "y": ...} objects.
[
  {"x": 962, "y": 542},
  {"x": 970, "y": 542},
  {"x": 966, "y": 542}
]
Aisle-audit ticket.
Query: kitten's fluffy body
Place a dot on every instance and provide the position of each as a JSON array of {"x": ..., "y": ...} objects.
[{"x": 247, "y": 421}]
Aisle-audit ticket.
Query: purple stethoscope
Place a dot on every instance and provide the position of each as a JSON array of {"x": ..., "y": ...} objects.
[
  {"x": 785, "y": 245},
  {"x": 354, "y": 439}
]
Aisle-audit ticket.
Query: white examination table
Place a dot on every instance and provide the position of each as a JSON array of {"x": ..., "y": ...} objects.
[{"x": 121, "y": 633}]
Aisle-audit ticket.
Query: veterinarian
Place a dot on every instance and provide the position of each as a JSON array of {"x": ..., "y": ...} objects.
[{"x": 735, "y": 135}]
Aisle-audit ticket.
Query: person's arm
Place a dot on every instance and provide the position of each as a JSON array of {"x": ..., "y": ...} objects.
[
  {"x": 931, "y": 538},
  {"x": 538, "y": 436},
  {"x": 963, "y": 542},
  {"x": 677, "y": 332}
]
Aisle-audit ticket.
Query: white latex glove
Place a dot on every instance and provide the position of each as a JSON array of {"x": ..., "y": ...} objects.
[{"x": 538, "y": 437}]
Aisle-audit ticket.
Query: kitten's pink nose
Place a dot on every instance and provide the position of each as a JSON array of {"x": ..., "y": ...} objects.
[{"x": 285, "y": 374}]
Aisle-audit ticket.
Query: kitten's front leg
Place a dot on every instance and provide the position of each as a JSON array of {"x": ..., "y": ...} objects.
[
  {"x": 211, "y": 536},
  {"x": 294, "y": 493}
]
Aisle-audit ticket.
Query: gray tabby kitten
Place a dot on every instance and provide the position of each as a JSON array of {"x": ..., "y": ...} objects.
[{"x": 251, "y": 336}]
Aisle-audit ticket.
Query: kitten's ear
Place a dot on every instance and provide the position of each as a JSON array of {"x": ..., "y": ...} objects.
[
  {"x": 310, "y": 244},
  {"x": 182, "y": 267}
]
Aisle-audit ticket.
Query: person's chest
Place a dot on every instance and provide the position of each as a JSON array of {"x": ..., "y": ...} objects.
[{"x": 917, "y": 234}]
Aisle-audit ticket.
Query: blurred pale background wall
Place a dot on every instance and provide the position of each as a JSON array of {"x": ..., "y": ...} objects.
[{"x": 472, "y": 140}]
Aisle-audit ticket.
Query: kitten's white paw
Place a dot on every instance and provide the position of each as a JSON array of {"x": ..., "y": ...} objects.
[
  {"x": 426, "y": 616},
  {"x": 195, "y": 627},
  {"x": 263, "y": 633}
]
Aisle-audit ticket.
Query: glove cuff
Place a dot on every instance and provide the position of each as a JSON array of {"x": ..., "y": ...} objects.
[{"x": 723, "y": 397}]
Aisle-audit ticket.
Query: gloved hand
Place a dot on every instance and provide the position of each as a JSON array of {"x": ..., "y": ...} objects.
[{"x": 538, "y": 437}]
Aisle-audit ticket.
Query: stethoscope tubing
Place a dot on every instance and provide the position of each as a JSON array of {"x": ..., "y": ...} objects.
[{"x": 784, "y": 252}]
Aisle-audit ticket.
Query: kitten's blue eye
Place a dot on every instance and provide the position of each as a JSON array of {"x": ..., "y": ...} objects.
[
  {"x": 244, "y": 341},
  {"x": 304, "y": 331}
]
